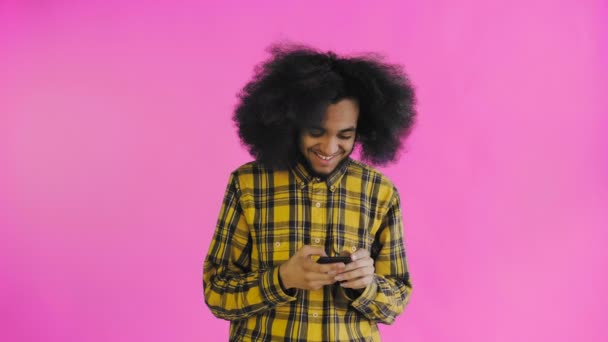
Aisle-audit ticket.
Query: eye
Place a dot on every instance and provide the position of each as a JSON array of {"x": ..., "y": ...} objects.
[
  {"x": 315, "y": 132},
  {"x": 345, "y": 137}
]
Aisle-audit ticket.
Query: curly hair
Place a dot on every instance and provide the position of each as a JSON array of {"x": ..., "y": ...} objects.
[{"x": 292, "y": 89}]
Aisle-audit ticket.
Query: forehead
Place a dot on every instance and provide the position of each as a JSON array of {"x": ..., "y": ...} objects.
[{"x": 341, "y": 115}]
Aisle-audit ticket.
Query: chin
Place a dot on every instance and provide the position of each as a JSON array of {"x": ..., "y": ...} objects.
[{"x": 324, "y": 172}]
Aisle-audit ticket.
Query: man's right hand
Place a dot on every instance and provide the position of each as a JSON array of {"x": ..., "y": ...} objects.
[{"x": 301, "y": 272}]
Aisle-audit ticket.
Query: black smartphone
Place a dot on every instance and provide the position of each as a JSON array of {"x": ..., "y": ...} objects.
[{"x": 333, "y": 260}]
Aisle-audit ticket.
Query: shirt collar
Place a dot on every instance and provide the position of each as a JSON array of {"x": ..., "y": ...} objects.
[{"x": 304, "y": 177}]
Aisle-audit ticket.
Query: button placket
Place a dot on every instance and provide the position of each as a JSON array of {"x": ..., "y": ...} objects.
[{"x": 318, "y": 212}]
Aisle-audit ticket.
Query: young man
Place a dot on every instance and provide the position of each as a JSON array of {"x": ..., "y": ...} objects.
[{"x": 304, "y": 197}]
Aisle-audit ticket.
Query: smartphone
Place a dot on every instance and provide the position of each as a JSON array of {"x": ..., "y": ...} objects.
[{"x": 332, "y": 260}]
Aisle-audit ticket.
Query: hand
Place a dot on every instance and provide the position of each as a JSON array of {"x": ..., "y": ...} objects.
[
  {"x": 359, "y": 273},
  {"x": 301, "y": 272}
]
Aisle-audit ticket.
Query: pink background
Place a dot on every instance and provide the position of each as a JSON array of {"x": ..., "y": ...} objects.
[{"x": 116, "y": 143}]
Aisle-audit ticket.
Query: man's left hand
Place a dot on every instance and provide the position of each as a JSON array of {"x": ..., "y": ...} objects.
[{"x": 359, "y": 273}]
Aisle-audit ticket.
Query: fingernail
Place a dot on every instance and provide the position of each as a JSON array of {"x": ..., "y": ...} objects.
[{"x": 338, "y": 278}]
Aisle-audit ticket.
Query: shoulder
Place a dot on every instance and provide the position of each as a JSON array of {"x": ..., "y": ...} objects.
[
  {"x": 250, "y": 168},
  {"x": 369, "y": 173},
  {"x": 375, "y": 180},
  {"x": 253, "y": 175}
]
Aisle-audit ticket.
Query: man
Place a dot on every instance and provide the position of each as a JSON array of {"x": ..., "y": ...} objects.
[{"x": 303, "y": 198}]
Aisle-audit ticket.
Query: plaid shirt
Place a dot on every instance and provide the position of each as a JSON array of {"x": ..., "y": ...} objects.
[{"x": 267, "y": 216}]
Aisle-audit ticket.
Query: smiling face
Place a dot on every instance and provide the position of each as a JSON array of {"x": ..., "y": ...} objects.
[{"x": 324, "y": 147}]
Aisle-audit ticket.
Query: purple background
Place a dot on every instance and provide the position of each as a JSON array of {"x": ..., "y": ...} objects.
[{"x": 116, "y": 143}]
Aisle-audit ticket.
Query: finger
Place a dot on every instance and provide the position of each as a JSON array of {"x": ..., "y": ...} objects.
[
  {"x": 346, "y": 276},
  {"x": 366, "y": 262},
  {"x": 358, "y": 283},
  {"x": 332, "y": 269},
  {"x": 354, "y": 274},
  {"x": 308, "y": 250},
  {"x": 319, "y": 277},
  {"x": 326, "y": 268},
  {"x": 359, "y": 254}
]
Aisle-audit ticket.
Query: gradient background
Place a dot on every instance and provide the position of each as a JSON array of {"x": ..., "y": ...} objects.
[{"x": 116, "y": 144}]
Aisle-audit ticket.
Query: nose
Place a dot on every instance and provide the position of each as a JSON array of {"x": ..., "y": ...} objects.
[{"x": 330, "y": 147}]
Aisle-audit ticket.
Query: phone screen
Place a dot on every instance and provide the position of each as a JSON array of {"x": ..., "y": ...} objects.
[{"x": 332, "y": 260}]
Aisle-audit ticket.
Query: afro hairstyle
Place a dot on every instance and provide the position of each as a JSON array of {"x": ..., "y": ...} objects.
[{"x": 291, "y": 90}]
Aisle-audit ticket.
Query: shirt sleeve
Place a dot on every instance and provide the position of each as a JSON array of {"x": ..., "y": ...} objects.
[
  {"x": 232, "y": 290},
  {"x": 388, "y": 294}
]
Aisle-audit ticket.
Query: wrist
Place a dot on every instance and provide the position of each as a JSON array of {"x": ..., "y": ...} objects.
[{"x": 282, "y": 278}]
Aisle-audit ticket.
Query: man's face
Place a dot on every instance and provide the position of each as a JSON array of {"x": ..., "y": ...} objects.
[{"x": 324, "y": 147}]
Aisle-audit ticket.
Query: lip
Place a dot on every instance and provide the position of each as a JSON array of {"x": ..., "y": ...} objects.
[
  {"x": 325, "y": 161},
  {"x": 330, "y": 157}
]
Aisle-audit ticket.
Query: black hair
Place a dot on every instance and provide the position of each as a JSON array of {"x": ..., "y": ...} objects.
[{"x": 292, "y": 89}]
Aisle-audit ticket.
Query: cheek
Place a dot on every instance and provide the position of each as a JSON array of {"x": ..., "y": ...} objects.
[
  {"x": 348, "y": 145},
  {"x": 304, "y": 143}
]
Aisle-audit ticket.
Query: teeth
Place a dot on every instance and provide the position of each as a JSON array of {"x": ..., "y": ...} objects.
[{"x": 323, "y": 157}]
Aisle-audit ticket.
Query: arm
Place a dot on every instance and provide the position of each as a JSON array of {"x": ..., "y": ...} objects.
[
  {"x": 232, "y": 290},
  {"x": 389, "y": 290}
]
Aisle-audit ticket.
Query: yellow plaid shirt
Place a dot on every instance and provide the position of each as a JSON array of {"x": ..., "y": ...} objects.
[{"x": 266, "y": 216}]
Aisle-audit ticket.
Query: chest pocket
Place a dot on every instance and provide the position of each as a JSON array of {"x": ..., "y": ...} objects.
[
  {"x": 352, "y": 227},
  {"x": 273, "y": 245},
  {"x": 349, "y": 241}
]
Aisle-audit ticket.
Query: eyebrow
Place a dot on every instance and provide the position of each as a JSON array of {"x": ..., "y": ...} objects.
[{"x": 349, "y": 129}]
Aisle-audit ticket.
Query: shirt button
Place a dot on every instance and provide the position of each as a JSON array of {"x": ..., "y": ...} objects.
[
  {"x": 332, "y": 188},
  {"x": 353, "y": 248},
  {"x": 302, "y": 185},
  {"x": 315, "y": 315},
  {"x": 277, "y": 244},
  {"x": 318, "y": 204},
  {"x": 317, "y": 240}
]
